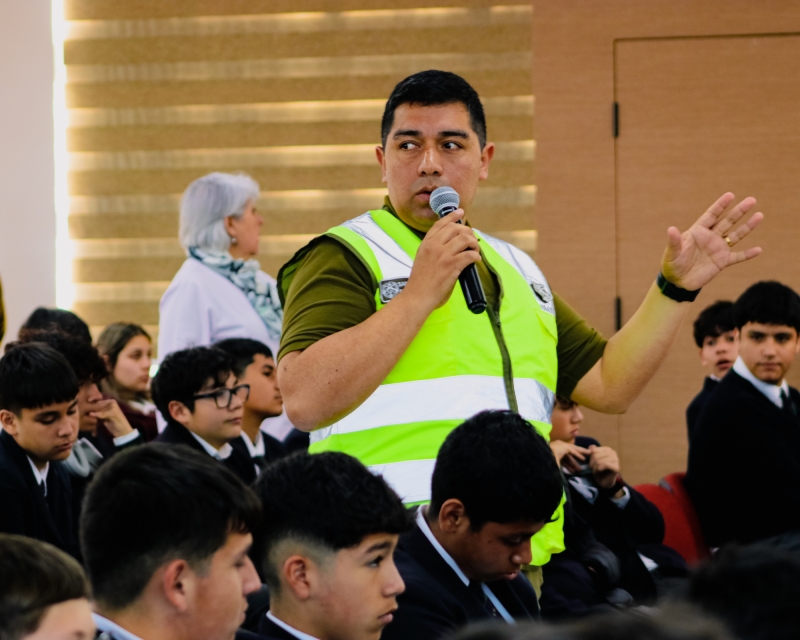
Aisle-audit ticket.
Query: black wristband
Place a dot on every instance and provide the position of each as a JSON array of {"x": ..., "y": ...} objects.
[{"x": 674, "y": 292}]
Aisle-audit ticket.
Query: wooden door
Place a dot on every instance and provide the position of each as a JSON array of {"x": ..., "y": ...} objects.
[{"x": 697, "y": 117}]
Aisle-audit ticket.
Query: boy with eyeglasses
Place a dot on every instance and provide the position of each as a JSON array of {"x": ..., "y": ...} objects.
[{"x": 197, "y": 393}]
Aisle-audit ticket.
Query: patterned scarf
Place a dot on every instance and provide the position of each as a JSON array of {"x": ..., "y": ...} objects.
[{"x": 247, "y": 275}]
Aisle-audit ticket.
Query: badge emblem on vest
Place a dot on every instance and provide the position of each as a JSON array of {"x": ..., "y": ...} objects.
[
  {"x": 390, "y": 288},
  {"x": 542, "y": 292}
]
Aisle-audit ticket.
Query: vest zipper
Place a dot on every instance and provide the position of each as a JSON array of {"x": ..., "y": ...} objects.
[{"x": 497, "y": 329}]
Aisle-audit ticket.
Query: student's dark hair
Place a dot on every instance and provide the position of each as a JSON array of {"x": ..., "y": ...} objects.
[
  {"x": 82, "y": 356},
  {"x": 35, "y": 375},
  {"x": 564, "y": 403},
  {"x": 243, "y": 351},
  {"x": 58, "y": 320},
  {"x": 148, "y": 506},
  {"x": 35, "y": 576},
  {"x": 432, "y": 88},
  {"x": 182, "y": 374},
  {"x": 329, "y": 500},
  {"x": 500, "y": 468},
  {"x": 768, "y": 302},
  {"x": 754, "y": 589},
  {"x": 713, "y": 321}
]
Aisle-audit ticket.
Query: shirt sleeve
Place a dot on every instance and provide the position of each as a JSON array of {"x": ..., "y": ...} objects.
[
  {"x": 579, "y": 347},
  {"x": 331, "y": 291},
  {"x": 184, "y": 319}
]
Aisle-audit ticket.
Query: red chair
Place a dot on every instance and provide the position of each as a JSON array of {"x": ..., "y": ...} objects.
[{"x": 682, "y": 530}]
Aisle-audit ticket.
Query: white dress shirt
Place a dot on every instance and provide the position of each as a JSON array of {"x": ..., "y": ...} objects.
[
  {"x": 422, "y": 523},
  {"x": 771, "y": 391},
  {"x": 112, "y": 630},
  {"x": 223, "y": 453},
  {"x": 290, "y": 629},
  {"x": 41, "y": 476},
  {"x": 256, "y": 448}
]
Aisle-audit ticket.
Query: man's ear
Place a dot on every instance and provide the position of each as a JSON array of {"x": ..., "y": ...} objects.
[
  {"x": 487, "y": 153},
  {"x": 8, "y": 420},
  {"x": 452, "y": 516},
  {"x": 299, "y": 573},
  {"x": 380, "y": 154},
  {"x": 179, "y": 412},
  {"x": 177, "y": 584}
]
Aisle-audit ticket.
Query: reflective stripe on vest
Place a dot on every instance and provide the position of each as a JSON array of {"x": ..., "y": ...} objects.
[{"x": 453, "y": 369}]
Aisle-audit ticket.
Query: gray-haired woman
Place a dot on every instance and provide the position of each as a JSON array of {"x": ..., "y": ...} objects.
[{"x": 220, "y": 291}]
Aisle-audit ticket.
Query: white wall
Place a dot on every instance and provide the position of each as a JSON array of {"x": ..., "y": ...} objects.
[{"x": 27, "y": 210}]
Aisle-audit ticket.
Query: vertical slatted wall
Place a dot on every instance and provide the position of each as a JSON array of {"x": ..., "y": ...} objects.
[{"x": 160, "y": 93}]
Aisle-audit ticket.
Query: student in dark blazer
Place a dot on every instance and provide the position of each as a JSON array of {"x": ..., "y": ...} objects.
[
  {"x": 324, "y": 547},
  {"x": 39, "y": 416},
  {"x": 165, "y": 533},
  {"x": 744, "y": 463},
  {"x": 495, "y": 484},
  {"x": 197, "y": 393},
  {"x": 717, "y": 338}
]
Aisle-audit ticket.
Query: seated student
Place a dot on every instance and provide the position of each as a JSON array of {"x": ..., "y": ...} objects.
[
  {"x": 197, "y": 394},
  {"x": 495, "y": 484},
  {"x": 126, "y": 350},
  {"x": 618, "y": 516},
  {"x": 165, "y": 533},
  {"x": 58, "y": 320},
  {"x": 43, "y": 593},
  {"x": 104, "y": 430},
  {"x": 39, "y": 416},
  {"x": 717, "y": 338},
  {"x": 325, "y": 548},
  {"x": 254, "y": 366},
  {"x": 744, "y": 464}
]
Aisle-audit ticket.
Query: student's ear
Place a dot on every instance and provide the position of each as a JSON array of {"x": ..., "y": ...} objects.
[
  {"x": 107, "y": 361},
  {"x": 177, "y": 584},
  {"x": 8, "y": 420},
  {"x": 453, "y": 516},
  {"x": 179, "y": 412},
  {"x": 298, "y": 572}
]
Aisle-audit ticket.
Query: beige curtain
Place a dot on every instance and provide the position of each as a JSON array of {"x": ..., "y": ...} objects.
[{"x": 160, "y": 93}]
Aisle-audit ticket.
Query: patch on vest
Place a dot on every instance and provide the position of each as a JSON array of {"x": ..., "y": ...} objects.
[
  {"x": 390, "y": 288},
  {"x": 542, "y": 292}
]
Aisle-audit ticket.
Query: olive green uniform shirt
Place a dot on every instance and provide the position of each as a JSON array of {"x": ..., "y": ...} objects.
[{"x": 329, "y": 289}]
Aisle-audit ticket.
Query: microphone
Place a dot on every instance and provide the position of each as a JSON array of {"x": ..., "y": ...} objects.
[{"x": 445, "y": 200}]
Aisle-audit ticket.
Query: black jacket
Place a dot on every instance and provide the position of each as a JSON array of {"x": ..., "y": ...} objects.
[
  {"x": 239, "y": 461},
  {"x": 436, "y": 602},
  {"x": 268, "y": 630},
  {"x": 696, "y": 406},
  {"x": 744, "y": 465},
  {"x": 24, "y": 511}
]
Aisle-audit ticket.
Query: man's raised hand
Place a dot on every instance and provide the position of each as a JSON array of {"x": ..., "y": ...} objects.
[{"x": 693, "y": 258}]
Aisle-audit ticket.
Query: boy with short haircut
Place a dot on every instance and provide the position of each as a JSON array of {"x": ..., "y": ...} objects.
[
  {"x": 43, "y": 593},
  {"x": 39, "y": 417},
  {"x": 744, "y": 463},
  {"x": 254, "y": 366},
  {"x": 165, "y": 533},
  {"x": 495, "y": 485},
  {"x": 325, "y": 548},
  {"x": 197, "y": 393},
  {"x": 717, "y": 337}
]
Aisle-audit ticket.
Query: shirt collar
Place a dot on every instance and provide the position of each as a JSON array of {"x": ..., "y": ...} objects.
[
  {"x": 255, "y": 448},
  {"x": 224, "y": 451},
  {"x": 771, "y": 391},
  {"x": 104, "y": 625},
  {"x": 289, "y": 628},
  {"x": 422, "y": 523},
  {"x": 40, "y": 476}
]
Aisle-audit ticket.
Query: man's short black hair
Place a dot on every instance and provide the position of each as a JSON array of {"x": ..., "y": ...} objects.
[
  {"x": 431, "y": 88},
  {"x": 768, "y": 302},
  {"x": 84, "y": 359},
  {"x": 34, "y": 576},
  {"x": 35, "y": 375},
  {"x": 713, "y": 321},
  {"x": 754, "y": 589},
  {"x": 59, "y": 320},
  {"x": 182, "y": 374},
  {"x": 500, "y": 468},
  {"x": 329, "y": 500},
  {"x": 151, "y": 505},
  {"x": 243, "y": 351}
]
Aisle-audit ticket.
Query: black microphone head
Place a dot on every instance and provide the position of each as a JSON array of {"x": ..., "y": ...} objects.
[{"x": 444, "y": 200}]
